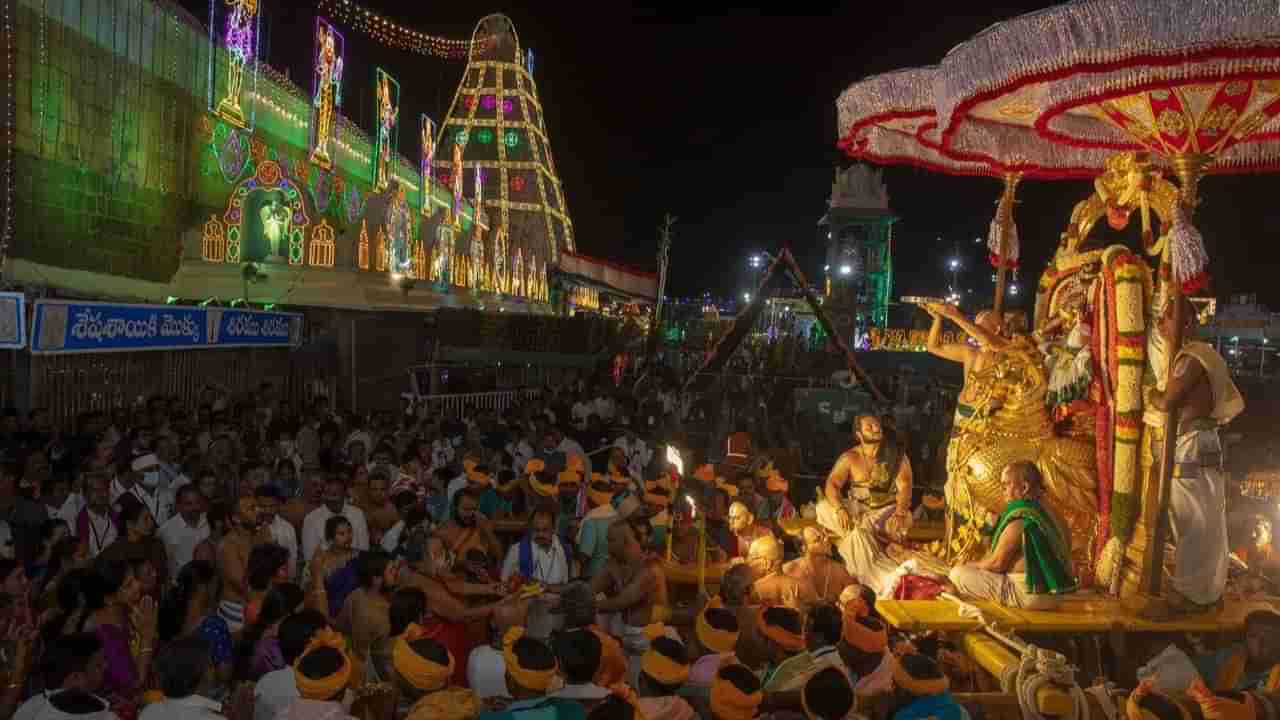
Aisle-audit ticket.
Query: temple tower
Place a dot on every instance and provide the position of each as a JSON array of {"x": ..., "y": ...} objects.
[{"x": 859, "y": 259}]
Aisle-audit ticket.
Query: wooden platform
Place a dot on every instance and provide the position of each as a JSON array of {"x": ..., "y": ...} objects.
[
  {"x": 924, "y": 531},
  {"x": 1080, "y": 614}
]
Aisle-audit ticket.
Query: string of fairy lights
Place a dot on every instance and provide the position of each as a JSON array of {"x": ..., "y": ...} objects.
[{"x": 391, "y": 33}]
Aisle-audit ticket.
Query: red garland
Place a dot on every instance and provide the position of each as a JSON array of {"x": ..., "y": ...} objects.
[{"x": 1195, "y": 284}]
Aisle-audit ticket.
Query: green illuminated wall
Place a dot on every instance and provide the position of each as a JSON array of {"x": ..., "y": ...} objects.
[{"x": 116, "y": 156}]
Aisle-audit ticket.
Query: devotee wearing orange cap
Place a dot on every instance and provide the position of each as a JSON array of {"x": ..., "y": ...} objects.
[
  {"x": 711, "y": 644},
  {"x": 864, "y": 644},
  {"x": 277, "y": 689},
  {"x": 822, "y": 633},
  {"x": 664, "y": 668},
  {"x": 322, "y": 672},
  {"x": 735, "y": 596},
  {"x": 772, "y": 587},
  {"x": 782, "y": 628},
  {"x": 592, "y": 542},
  {"x": 578, "y": 605},
  {"x": 821, "y": 578},
  {"x": 422, "y": 669},
  {"x": 486, "y": 669},
  {"x": 735, "y": 694},
  {"x": 580, "y": 653},
  {"x": 921, "y": 691},
  {"x": 657, "y": 499},
  {"x": 531, "y": 670}
]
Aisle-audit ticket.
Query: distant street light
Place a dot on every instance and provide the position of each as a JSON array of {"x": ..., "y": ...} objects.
[
  {"x": 845, "y": 269},
  {"x": 746, "y": 296}
]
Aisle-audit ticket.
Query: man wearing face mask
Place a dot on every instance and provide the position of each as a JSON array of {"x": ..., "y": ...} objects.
[{"x": 145, "y": 486}]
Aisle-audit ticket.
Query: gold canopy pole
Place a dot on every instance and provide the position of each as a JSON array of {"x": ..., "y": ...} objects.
[
  {"x": 1004, "y": 220},
  {"x": 1190, "y": 167}
]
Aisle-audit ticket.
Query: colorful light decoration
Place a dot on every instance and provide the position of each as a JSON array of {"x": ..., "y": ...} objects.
[
  {"x": 392, "y": 34},
  {"x": 387, "y": 109},
  {"x": 214, "y": 240},
  {"x": 457, "y": 185},
  {"x": 241, "y": 42},
  {"x": 517, "y": 274},
  {"x": 511, "y": 138},
  {"x": 323, "y": 248},
  {"x": 585, "y": 298},
  {"x": 362, "y": 247},
  {"x": 399, "y": 230},
  {"x": 427, "y": 133},
  {"x": 268, "y": 177},
  {"x": 501, "y": 280},
  {"x": 484, "y": 136},
  {"x": 326, "y": 93},
  {"x": 517, "y": 183},
  {"x": 442, "y": 256}
]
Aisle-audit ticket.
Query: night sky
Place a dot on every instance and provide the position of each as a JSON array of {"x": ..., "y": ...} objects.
[{"x": 726, "y": 120}]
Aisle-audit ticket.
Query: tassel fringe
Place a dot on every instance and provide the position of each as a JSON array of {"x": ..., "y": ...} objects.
[
  {"x": 993, "y": 244},
  {"x": 1187, "y": 254}
]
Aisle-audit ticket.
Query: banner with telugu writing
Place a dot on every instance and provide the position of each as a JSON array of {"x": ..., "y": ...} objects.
[{"x": 83, "y": 327}]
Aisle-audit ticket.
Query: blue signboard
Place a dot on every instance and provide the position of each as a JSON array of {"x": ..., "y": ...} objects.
[
  {"x": 82, "y": 327},
  {"x": 13, "y": 320}
]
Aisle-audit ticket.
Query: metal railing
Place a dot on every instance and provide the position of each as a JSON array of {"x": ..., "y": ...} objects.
[{"x": 458, "y": 405}]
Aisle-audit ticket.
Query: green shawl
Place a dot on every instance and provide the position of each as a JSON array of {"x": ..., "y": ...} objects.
[{"x": 1044, "y": 550}]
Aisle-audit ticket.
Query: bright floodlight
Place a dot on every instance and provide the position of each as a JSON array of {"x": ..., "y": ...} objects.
[
  {"x": 954, "y": 263},
  {"x": 673, "y": 457},
  {"x": 693, "y": 506},
  {"x": 746, "y": 296},
  {"x": 1013, "y": 289},
  {"x": 845, "y": 269}
]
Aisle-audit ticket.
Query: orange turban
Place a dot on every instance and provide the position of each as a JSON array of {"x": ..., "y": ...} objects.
[
  {"x": 919, "y": 686},
  {"x": 864, "y": 638},
  {"x": 730, "y": 703},
  {"x": 536, "y": 680},
  {"x": 1216, "y": 707},
  {"x": 717, "y": 641},
  {"x": 658, "y": 666},
  {"x": 613, "y": 662},
  {"x": 784, "y": 638},
  {"x": 327, "y": 687},
  {"x": 416, "y": 670}
]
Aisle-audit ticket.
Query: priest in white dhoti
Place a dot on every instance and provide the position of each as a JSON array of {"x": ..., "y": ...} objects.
[{"x": 1205, "y": 398}]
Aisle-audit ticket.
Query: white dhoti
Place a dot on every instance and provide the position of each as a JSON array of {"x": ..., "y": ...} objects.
[
  {"x": 866, "y": 560},
  {"x": 1197, "y": 516},
  {"x": 1008, "y": 589}
]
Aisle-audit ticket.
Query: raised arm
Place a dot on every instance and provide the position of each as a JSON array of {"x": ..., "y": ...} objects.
[
  {"x": 985, "y": 338},
  {"x": 946, "y": 351}
]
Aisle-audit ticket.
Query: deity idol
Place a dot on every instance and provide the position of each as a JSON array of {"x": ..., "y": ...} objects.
[
  {"x": 328, "y": 89},
  {"x": 387, "y": 115},
  {"x": 240, "y": 46}
]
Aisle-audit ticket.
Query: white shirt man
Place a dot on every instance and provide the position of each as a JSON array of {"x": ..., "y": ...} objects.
[
  {"x": 284, "y": 535},
  {"x": 547, "y": 562},
  {"x": 192, "y": 707},
  {"x": 313, "y": 526},
  {"x": 149, "y": 490},
  {"x": 274, "y": 692},
  {"x": 184, "y": 531},
  {"x": 637, "y": 451},
  {"x": 68, "y": 511}
]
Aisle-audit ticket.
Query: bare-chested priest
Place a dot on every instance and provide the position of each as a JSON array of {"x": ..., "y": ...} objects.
[
  {"x": 985, "y": 328},
  {"x": 865, "y": 500},
  {"x": 633, "y": 588}
]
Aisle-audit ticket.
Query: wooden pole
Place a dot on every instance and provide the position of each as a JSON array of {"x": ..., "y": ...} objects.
[
  {"x": 1004, "y": 224},
  {"x": 1190, "y": 167}
]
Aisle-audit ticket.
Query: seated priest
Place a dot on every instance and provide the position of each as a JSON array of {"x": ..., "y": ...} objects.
[
  {"x": 743, "y": 525},
  {"x": 1029, "y": 565}
]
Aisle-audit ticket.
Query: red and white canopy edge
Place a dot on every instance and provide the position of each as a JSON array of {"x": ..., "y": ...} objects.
[
  {"x": 1195, "y": 82},
  {"x": 890, "y": 119}
]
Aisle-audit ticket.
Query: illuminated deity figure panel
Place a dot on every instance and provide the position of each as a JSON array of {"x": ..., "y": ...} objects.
[
  {"x": 241, "y": 44},
  {"x": 327, "y": 93}
]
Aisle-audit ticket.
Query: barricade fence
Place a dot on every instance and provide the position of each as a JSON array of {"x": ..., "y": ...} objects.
[{"x": 462, "y": 405}]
